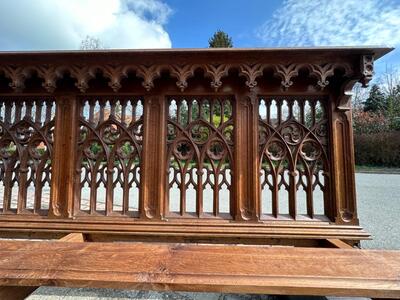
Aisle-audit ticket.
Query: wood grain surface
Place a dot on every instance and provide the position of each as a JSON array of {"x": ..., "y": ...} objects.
[{"x": 187, "y": 267}]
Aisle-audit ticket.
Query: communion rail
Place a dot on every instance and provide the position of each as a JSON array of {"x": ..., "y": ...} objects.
[{"x": 250, "y": 146}]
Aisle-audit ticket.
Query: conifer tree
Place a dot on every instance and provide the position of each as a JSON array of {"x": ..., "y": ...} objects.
[{"x": 220, "y": 39}]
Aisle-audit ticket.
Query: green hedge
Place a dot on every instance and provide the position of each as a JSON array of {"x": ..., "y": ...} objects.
[{"x": 378, "y": 149}]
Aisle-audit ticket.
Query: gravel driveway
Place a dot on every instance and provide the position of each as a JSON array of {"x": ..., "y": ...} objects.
[{"x": 379, "y": 212}]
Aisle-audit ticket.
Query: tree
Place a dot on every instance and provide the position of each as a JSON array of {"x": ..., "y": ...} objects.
[
  {"x": 91, "y": 43},
  {"x": 220, "y": 39},
  {"x": 391, "y": 87},
  {"x": 360, "y": 94},
  {"x": 376, "y": 101}
]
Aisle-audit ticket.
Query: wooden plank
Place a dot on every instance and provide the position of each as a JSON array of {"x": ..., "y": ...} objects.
[
  {"x": 22, "y": 292},
  {"x": 223, "y": 268}
]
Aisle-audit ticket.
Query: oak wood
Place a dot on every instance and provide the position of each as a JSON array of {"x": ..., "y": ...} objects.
[
  {"x": 195, "y": 228},
  {"x": 63, "y": 160},
  {"x": 86, "y": 141},
  {"x": 75, "y": 237},
  {"x": 336, "y": 243},
  {"x": 22, "y": 292},
  {"x": 223, "y": 268},
  {"x": 247, "y": 191},
  {"x": 16, "y": 292},
  {"x": 153, "y": 170},
  {"x": 262, "y": 123}
]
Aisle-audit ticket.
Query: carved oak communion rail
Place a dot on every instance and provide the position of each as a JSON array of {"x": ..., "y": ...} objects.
[
  {"x": 249, "y": 146},
  {"x": 257, "y": 142}
]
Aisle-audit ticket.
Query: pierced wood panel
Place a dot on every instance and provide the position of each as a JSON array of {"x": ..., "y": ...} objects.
[
  {"x": 26, "y": 140},
  {"x": 293, "y": 145},
  {"x": 199, "y": 156},
  {"x": 109, "y": 155}
]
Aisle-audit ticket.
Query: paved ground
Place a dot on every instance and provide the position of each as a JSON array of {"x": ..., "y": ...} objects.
[{"x": 379, "y": 211}]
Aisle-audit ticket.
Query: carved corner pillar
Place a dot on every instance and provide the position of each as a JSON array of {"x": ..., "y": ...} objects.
[
  {"x": 343, "y": 161},
  {"x": 64, "y": 157},
  {"x": 247, "y": 206},
  {"x": 153, "y": 173}
]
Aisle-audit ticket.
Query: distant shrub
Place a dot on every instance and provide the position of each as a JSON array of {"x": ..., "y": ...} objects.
[
  {"x": 377, "y": 148},
  {"x": 365, "y": 122}
]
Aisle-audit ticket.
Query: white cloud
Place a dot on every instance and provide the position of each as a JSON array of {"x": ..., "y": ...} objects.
[
  {"x": 334, "y": 22},
  {"x": 63, "y": 24}
]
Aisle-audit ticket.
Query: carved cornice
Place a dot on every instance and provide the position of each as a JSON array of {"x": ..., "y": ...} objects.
[{"x": 115, "y": 73}]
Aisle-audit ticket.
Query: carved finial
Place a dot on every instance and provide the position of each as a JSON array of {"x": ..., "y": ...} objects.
[
  {"x": 115, "y": 85},
  {"x": 366, "y": 69},
  {"x": 286, "y": 73},
  {"x": 82, "y": 85},
  {"x": 82, "y": 76},
  {"x": 251, "y": 73},
  {"x": 49, "y": 85},
  {"x": 182, "y": 73},
  {"x": 322, "y": 72},
  {"x": 148, "y": 74},
  {"x": 48, "y": 73},
  {"x": 114, "y": 73},
  {"x": 216, "y": 73},
  {"x": 17, "y": 77}
]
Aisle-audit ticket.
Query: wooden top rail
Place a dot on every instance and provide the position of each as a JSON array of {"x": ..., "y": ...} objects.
[{"x": 217, "y": 268}]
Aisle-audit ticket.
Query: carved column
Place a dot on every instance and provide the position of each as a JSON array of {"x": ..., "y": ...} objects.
[
  {"x": 344, "y": 210},
  {"x": 342, "y": 146},
  {"x": 343, "y": 167},
  {"x": 64, "y": 156},
  {"x": 246, "y": 158},
  {"x": 153, "y": 170}
]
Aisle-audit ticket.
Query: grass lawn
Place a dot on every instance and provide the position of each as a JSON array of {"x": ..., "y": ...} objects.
[{"x": 375, "y": 169}]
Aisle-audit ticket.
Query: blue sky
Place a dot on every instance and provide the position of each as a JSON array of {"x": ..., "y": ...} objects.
[
  {"x": 62, "y": 24},
  {"x": 193, "y": 22}
]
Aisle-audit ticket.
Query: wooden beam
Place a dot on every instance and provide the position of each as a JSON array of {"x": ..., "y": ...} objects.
[
  {"x": 223, "y": 268},
  {"x": 22, "y": 292}
]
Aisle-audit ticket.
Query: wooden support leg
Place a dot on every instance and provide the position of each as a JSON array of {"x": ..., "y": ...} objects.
[
  {"x": 16, "y": 292},
  {"x": 76, "y": 237},
  {"x": 336, "y": 243}
]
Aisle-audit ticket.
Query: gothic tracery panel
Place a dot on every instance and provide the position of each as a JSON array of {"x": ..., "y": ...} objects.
[
  {"x": 109, "y": 155},
  {"x": 199, "y": 157},
  {"x": 26, "y": 141},
  {"x": 293, "y": 145}
]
